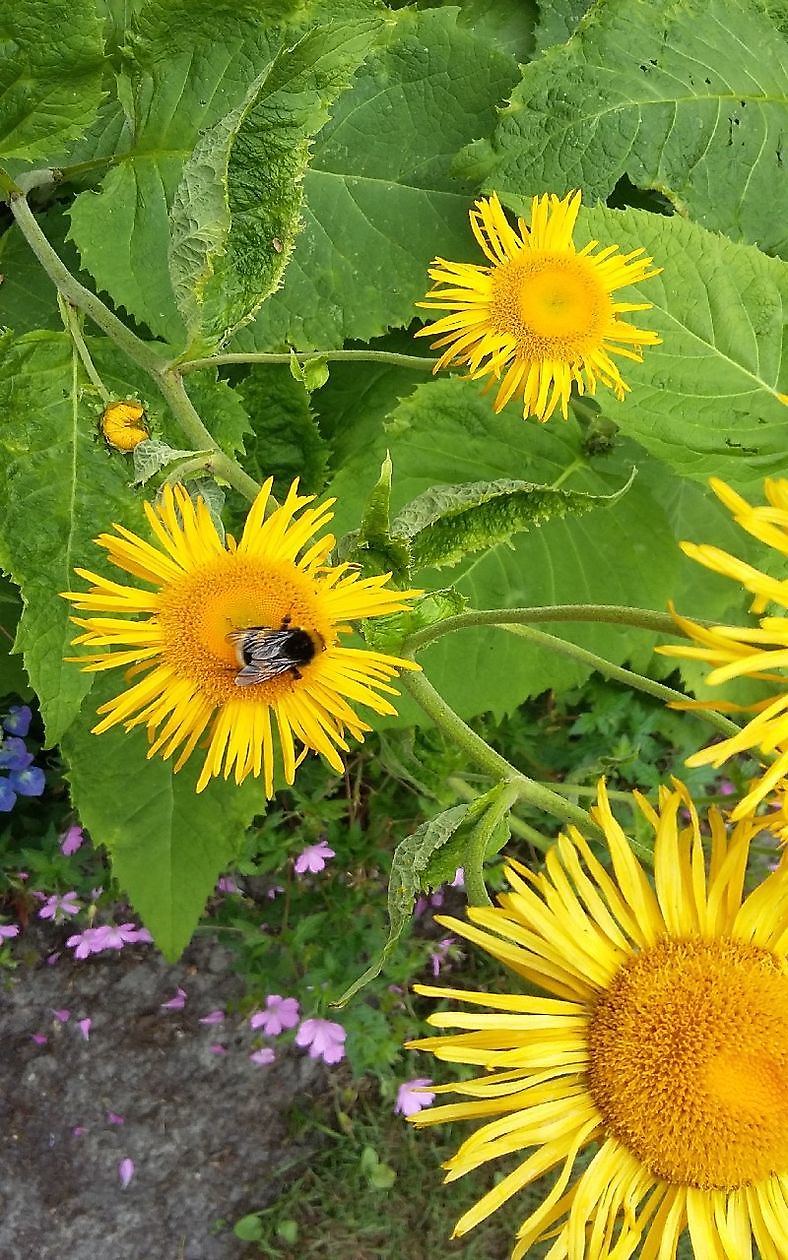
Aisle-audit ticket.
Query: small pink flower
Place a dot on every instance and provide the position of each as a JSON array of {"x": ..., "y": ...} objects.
[
  {"x": 176, "y": 1003},
  {"x": 7, "y": 930},
  {"x": 726, "y": 788},
  {"x": 84, "y": 1026},
  {"x": 313, "y": 858},
  {"x": 23, "y": 875},
  {"x": 86, "y": 942},
  {"x": 39, "y": 1039},
  {"x": 263, "y": 1057},
  {"x": 214, "y": 1017},
  {"x": 324, "y": 1039},
  {"x": 279, "y": 1013},
  {"x": 438, "y": 955},
  {"x": 116, "y": 935},
  {"x": 217, "y": 1048},
  {"x": 62, "y": 1016},
  {"x": 227, "y": 885},
  {"x": 56, "y": 908},
  {"x": 125, "y": 1172},
  {"x": 72, "y": 840},
  {"x": 114, "y": 1118},
  {"x": 413, "y": 1096}
]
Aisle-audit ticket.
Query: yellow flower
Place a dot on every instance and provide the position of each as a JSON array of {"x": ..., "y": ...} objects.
[
  {"x": 187, "y": 639},
  {"x": 662, "y": 1041},
  {"x": 124, "y": 425},
  {"x": 542, "y": 315},
  {"x": 738, "y": 651}
]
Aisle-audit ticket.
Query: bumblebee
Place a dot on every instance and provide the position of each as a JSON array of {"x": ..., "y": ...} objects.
[{"x": 264, "y": 653}]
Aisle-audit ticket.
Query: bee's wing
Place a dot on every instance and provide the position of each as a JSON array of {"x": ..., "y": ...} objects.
[
  {"x": 261, "y": 671},
  {"x": 266, "y": 658}
]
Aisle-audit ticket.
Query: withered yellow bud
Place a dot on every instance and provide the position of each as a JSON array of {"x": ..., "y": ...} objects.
[{"x": 124, "y": 425}]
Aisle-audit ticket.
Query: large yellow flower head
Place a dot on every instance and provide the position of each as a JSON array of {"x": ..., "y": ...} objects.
[
  {"x": 662, "y": 1040},
  {"x": 737, "y": 651},
  {"x": 188, "y": 636},
  {"x": 542, "y": 315}
]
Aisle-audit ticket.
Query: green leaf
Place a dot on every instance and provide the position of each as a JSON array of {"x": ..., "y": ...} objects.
[
  {"x": 151, "y": 456},
  {"x": 167, "y": 844},
  {"x": 58, "y": 486},
  {"x": 237, "y": 213},
  {"x": 558, "y": 20},
  {"x": 286, "y": 441},
  {"x": 434, "y": 86},
  {"x": 13, "y": 679},
  {"x": 387, "y": 634},
  {"x": 705, "y": 401},
  {"x": 50, "y": 75},
  {"x": 177, "y": 79},
  {"x": 408, "y": 866},
  {"x": 221, "y": 409},
  {"x": 447, "y": 523},
  {"x": 687, "y": 96},
  {"x": 446, "y": 428},
  {"x": 372, "y": 545},
  {"x": 28, "y": 298}
]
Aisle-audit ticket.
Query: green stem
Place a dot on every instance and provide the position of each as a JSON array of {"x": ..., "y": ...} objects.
[
  {"x": 478, "y": 751},
  {"x": 479, "y": 841},
  {"x": 615, "y": 614},
  {"x": 168, "y": 381},
  {"x": 202, "y": 461},
  {"x": 627, "y": 676},
  {"x": 182, "y": 407},
  {"x": 418, "y": 361},
  {"x": 77, "y": 294},
  {"x": 567, "y": 473},
  {"x": 69, "y": 316}
]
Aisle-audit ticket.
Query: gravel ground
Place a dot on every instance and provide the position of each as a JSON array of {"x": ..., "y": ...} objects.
[{"x": 207, "y": 1132}]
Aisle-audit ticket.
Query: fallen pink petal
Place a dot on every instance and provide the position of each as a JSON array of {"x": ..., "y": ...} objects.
[
  {"x": 324, "y": 1038},
  {"x": 114, "y": 1118},
  {"x": 263, "y": 1057},
  {"x": 7, "y": 930},
  {"x": 78, "y": 1130},
  {"x": 214, "y": 1017},
  {"x": 62, "y": 1016},
  {"x": 84, "y": 1026},
  {"x": 217, "y": 1048},
  {"x": 52, "y": 958},
  {"x": 39, "y": 1038},
  {"x": 125, "y": 1172},
  {"x": 176, "y": 1003}
]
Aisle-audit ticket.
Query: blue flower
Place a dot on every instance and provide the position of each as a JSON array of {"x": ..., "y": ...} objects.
[
  {"x": 29, "y": 782},
  {"x": 17, "y": 720},
  {"x": 14, "y": 754},
  {"x": 7, "y": 797}
]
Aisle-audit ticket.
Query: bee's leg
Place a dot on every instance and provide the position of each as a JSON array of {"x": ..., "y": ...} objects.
[{"x": 296, "y": 672}]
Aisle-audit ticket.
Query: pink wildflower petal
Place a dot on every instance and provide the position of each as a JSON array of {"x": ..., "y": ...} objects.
[
  {"x": 324, "y": 1038},
  {"x": 7, "y": 930},
  {"x": 114, "y": 1118},
  {"x": 39, "y": 1038},
  {"x": 227, "y": 885},
  {"x": 263, "y": 1057},
  {"x": 313, "y": 858},
  {"x": 459, "y": 878},
  {"x": 78, "y": 1130},
  {"x": 280, "y": 1013},
  {"x": 71, "y": 841},
  {"x": 62, "y": 1016},
  {"x": 215, "y": 1017},
  {"x": 217, "y": 1048},
  {"x": 52, "y": 958},
  {"x": 125, "y": 1172},
  {"x": 413, "y": 1096},
  {"x": 84, "y": 1026}
]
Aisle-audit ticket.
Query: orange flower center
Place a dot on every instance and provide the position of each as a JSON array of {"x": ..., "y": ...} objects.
[
  {"x": 238, "y": 592},
  {"x": 689, "y": 1061},
  {"x": 554, "y": 305}
]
